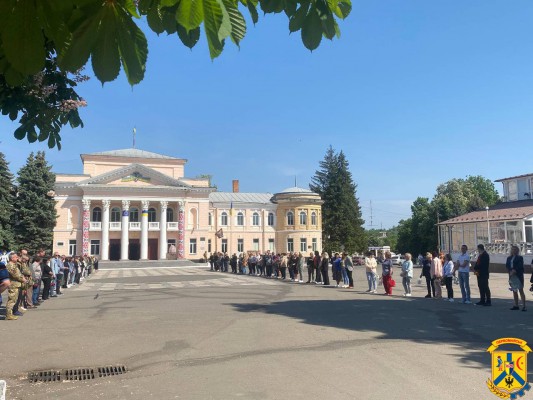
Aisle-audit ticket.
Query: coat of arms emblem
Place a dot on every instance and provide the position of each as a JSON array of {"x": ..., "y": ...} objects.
[{"x": 509, "y": 368}]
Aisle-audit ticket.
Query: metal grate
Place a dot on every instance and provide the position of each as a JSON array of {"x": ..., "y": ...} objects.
[{"x": 76, "y": 374}]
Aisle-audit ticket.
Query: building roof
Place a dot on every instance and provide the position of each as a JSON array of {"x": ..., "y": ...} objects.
[
  {"x": 132, "y": 153},
  {"x": 513, "y": 177},
  {"x": 296, "y": 189},
  {"x": 230, "y": 197},
  {"x": 513, "y": 210}
]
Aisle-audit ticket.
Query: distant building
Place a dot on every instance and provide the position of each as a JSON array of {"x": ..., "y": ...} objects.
[
  {"x": 132, "y": 204},
  {"x": 498, "y": 227}
]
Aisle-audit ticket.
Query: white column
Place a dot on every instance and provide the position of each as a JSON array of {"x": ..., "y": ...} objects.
[
  {"x": 144, "y": 229},
  {"x": 124, "y": 238},
  {"x": 163, "y": 231},
  {"x": 105, "y": 230}
]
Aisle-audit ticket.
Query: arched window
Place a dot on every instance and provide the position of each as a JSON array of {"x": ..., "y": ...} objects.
[
  {"x": 313, "y": 218},
  {"x": 255, "y": 219},
  {"x": 210, "y": 219},
  {"x": 134, "y": 214},
  {"x": 97, "y": 214},
  {"x": 224, "y": 219},
  {"x": 290, "y": 218},
  {"x": 115, "y": 214},
  {"x": 303, "y": 218},
  {"x": 270, "y": 219},
  {"x": 240, "y": 219},
  {"x": 170, "y": 215},
  {"x": 152, "y": 215}
]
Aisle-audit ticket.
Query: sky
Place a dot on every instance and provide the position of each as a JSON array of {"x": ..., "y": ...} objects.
[{"x": 415, "y": 93}]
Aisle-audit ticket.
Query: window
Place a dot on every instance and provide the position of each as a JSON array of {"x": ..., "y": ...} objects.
[
  {"x": 95, "y": 247},
  {"x": 256, "y": 244},
  {"x": 134, "y": 215},
  {"x": 270, "y": 219},
  {"x": 240, "y": 219},
  {"x": 192, "y": 246},
  {"x": 224, "y": 245},
  {"x": 152, "y": 215},
  {"x": 303, "y": 245},
  {"x": 513, "y": 191},
  {"x": 224, "y": 219},
  {"x": 209, "y": 245},
  {"x": 171, "y": 242},
  {"x": 210, "y": 219},
  {"x": 314, "y": 244},
  {"x": 170, "y": 215},
  {"x": 303, "y": 218},
  {"x": 290, "y": 218},
  {"x": 240, "y": 245},
  {"x": 255, "y": 219},
  {"x": 97, "y": 214},
  {"x": 290, "y": 245},
  {"x": 313, "y": 218},
  {"x": 271, "y": 244},
  {"x": 72, "y": 247},
  {"x": 115, "y": 214}
]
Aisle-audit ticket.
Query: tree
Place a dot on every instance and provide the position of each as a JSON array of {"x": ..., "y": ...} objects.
[
  {"x": 7, "y": 200},
  {"x": 59, "y": 37},
  {"x": 342, "y": 223},
  {"x": 35, "y": 206}
]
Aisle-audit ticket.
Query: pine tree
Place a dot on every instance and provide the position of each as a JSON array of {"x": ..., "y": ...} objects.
[
  {"x": 35, "y": 206},
  {"x": 7, "y": 200},
  {"x": 342, "y": 222}
]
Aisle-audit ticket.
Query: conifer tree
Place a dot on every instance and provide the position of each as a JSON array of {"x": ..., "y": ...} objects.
[
  {"x": 342, "y": 222},
  {"x": 7, "y": 197},
  {"x": 35, "y": 206}
]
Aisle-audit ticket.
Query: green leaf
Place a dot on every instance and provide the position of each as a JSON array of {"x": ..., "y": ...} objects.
[
  {"x": 213, "y": 20},
  {"x": 272, "y": 6},
  {"x": 312, "y": 30},
  {"x": 190, "y": 14},
  {"x": 133, "y": 49},
  {"x": 190, "y": 38},
  {"x": 328, "y": 26},
  {"x": 105, "y": 56},
  {"x": 170, "y": 3},
  {"x": 343, "y": 9},
  {"x": 238, "y": 24},
  {"x": 144, "y": 6},
  {"x": 78, "y": 50},
  {"x": 23, "y": 39},
  {"x": 253, "y": 12},
  {"x": 20, "y": 132},
  {"x": 129, "y": 5},
  {"x": 155, "y": 21},
  {"x": 297, "y": 20},
  {"x": 290, "y": 7}
]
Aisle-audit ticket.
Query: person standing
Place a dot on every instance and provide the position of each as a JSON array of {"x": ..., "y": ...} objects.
[
  {"x": 46, "y": 276},
  {"x": 407, "y": 274},
  {"x": 317, "y": 267},
  {"x": 348, "y": 265},
  {"x": 36, "y": 276},
  {"x": 386, "y": 273},
  {"x": 463, "y": 268},
  {"x": 17, "y": 280},
  {"x": 371, "y": 266},
  {"x": 436, "y": 275},
  {"x": 310, "y": 268},
  {"x": 447, "y": 272},
  {"x": 481, "y": 269},
  {"x": 426, "y": 273},
  {"x": 337, "y": 269},
  {"x": 300, "y": 265},
  {"x": 515, "y": 267},
  {"x": 324, "y": 267},
  {"x": 283, "y": 266}
]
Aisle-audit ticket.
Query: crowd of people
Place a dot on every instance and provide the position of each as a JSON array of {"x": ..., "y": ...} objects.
[
  {"x": 439, "y": 270},
  {"x": 31, "y": 280}
]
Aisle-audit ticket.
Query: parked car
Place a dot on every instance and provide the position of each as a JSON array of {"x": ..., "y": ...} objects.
[{"x": 398, "y": 259}]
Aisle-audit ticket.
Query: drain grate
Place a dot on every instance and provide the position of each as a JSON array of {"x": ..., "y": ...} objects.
[{"x": 76, "y": 374}]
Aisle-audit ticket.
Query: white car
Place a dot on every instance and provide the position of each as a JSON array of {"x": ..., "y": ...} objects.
[{"x": 398, "y": 259}]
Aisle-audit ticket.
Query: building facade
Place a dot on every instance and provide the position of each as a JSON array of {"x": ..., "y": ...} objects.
[{"x": 136, "y": 205}]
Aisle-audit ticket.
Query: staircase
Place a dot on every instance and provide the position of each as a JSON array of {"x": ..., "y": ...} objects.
[{"x": 150, "y": 264}]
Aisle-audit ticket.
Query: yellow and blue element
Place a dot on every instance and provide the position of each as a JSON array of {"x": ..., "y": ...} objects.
[{"x": 509, "y": 369}]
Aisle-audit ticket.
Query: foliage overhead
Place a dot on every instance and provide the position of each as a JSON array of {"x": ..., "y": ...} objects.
[
  {"x": 54, "y": 38},
  {"x": 342, "y": 223}
]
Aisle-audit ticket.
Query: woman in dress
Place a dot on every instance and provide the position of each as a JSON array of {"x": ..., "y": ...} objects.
[
  {"x": 386, "y": 273},
  {"x": 515, "y": 267}
]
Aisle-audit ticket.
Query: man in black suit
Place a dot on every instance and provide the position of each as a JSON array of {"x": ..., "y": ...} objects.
[{"x": 481, "y": 269}]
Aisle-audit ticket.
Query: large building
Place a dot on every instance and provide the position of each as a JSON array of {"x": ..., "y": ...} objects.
[{"x": 136, "y": 205}]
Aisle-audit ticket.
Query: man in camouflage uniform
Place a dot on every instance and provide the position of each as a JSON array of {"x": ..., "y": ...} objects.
[
  {"x": 27, "y": 289},
  {"x": 17, "y": 279}
]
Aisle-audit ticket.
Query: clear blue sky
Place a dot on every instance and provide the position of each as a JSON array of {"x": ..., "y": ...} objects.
[{"x": 415, "y": 92}]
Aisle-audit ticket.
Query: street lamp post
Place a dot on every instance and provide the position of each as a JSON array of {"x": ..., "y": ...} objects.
[{"x": 488, "y": 223}]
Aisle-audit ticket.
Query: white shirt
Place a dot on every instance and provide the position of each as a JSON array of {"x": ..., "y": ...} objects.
[{"x": 462, "y": 258}]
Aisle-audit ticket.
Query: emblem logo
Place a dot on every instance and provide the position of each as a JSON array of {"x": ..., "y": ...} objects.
[{"x": 509, "y": 368}]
